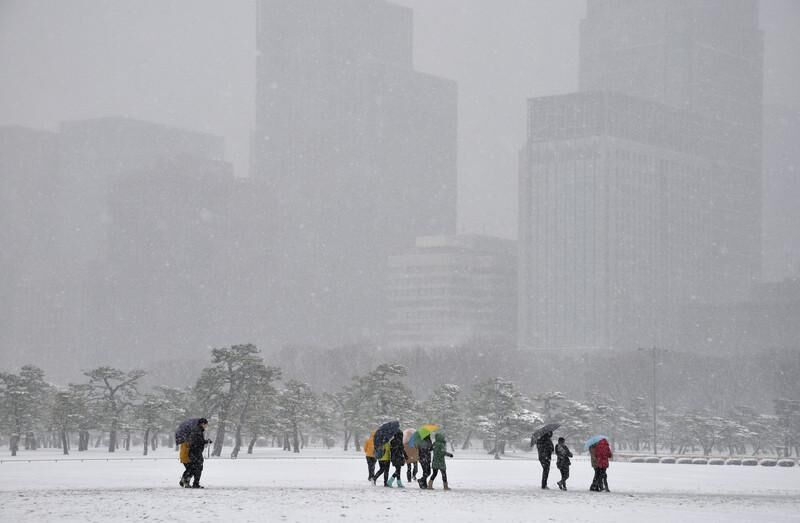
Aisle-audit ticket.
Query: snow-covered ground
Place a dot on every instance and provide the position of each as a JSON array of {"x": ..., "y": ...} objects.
[{"x": 320, "y": 485}]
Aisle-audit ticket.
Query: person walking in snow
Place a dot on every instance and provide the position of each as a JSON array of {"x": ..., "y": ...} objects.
[
  {"x": 195, "y": 443},
  {"x": 563, "y": 462},
  {"x": 544, "y": 446},
  {"x": 425, "y": 447},
  {"x": 439, "y": 453},
  {"x": 602, "y": 454},
  {"x": 397, "y": 457},
  {"x": 596, "y": 478},
  {"x": 369, "y": 451},
  {"x": 383, "y": 464}
]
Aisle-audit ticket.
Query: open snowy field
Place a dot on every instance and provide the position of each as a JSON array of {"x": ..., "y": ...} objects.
[{"x": 331, "y": 486}]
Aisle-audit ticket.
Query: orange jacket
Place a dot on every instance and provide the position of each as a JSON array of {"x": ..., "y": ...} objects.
[
  {"x": 369, "y": 446},
  {"x": 183, "y": 452}
]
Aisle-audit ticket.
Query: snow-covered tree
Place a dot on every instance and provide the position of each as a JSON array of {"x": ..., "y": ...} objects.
[{"x": 113, "y": 392}]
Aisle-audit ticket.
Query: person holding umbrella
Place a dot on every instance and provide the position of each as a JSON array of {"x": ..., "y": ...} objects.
[
  {"x": 544, "y": 446},
  {"x": 381, "y": 445},
  {"x": 602, "y": 453},
  {"x": 195, "y": 443},
  {"x": 591, "y": 446}
]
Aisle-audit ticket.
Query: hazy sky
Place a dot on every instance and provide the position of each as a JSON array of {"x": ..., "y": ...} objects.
[{"x": 191, "y": 63}]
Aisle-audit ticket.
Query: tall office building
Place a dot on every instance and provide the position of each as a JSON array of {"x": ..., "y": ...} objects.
[
  {"x": 640, "y": 195},
  {"x": 706, "y": 57},
  {"x": 358, "y": 151}
]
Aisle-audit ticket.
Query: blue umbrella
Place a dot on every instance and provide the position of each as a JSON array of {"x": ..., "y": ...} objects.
[
  {"x": 594, "y": 440},
  {"x": 383, "y": 435}
]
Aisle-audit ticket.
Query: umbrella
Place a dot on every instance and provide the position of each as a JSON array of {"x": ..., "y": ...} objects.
[
  {"x": 538, "y": 433},
  {"x": 422, "y": 432},
  {"x": 383, "y": 435},
  {"x": 594, "y": 440},
  {"x": 183, "y": 430},
  {"x": 407, "y": 433}
]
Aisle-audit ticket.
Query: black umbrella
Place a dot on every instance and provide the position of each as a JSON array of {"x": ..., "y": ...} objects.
[
  {"x": 183, "y": 430},
  {"x": 383, "y": 435},
  {"x": 538, "y": 433}
]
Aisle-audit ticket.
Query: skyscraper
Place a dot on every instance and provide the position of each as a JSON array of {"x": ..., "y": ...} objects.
[
  {"x": 640, "y": 194},
  {"x": 705, "y": 57},
  {"x": 359, "y": 153}
]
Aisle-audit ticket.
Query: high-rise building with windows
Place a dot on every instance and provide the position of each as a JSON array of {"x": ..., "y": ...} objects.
[
  {"x": 640, "y": 194},
  {"x": 358, "y": 151}
]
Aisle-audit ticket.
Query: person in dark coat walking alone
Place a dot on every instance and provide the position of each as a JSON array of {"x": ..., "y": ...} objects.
[
  {"x": 425, "y": 447},
  {"x": 197, "y": 442},
  {"x": 563, "y": 462},
  {"x": 544, "y": 445},
  {"x": 397, "y": 455}
]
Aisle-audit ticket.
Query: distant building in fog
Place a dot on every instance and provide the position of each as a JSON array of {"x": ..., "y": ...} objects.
[
  {"x": 767, "y": 320},
  {"x": 28, "y": 226},
  {"x": 358, "y": 151},
  {"x": 705, "y": 57},
  {"x": 781, "y": 187},
  {"x": 614, "y": 212},
  {"x": 640, "y": 194},
  {"x": 453, "y": 290}
]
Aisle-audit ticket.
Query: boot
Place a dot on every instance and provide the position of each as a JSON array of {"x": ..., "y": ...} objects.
[
  {"x": 422, "y": 483},
  {"x": 399, "y": 483},
  {"x": 390, "y": 483},
  {"x": 430, "y": 484},
  {"x": 445, "y": 486}
]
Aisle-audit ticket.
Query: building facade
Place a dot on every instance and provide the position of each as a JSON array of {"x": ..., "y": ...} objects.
[
  {"x": 614, "y": 220},
  {"x": 358, "y": 151},
  {"x": 705, "y": 57},
  {"x": 641, "y": 193},
  {"x": 453, "y": 290}
]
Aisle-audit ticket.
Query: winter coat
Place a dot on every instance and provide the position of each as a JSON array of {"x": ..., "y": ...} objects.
[
  {"x": 369, "y": 445},
  {"x": 424, "y": 447},
  {"x": 386, "y": 452},
  {"x": 412, "y": 453},
  {"x": 197, "y": 442},
  {"x": 562, "y": 456},
  {"x": 439, "y": 452},
  {"x": 545, "y": 447},
  {"x": 592, "y": 456},
  {"x": 602, "y": 453},
  {"x": 398, "y": 453}
]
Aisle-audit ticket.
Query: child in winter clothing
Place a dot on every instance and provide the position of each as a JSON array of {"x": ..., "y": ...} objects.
[
  {"x": 424, "y": 447},
  {"x": 398, "y": 458},
  {"x": 563, "y": 462},
  {"x": 439, "y": 452},
  {"x": 383, "y": 463},
  {"x": 369, "y": 450}
]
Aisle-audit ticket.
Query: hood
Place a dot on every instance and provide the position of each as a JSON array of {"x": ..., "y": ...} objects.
[{"x": 440, "y": 437}]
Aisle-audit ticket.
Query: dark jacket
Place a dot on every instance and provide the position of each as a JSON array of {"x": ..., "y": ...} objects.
[
  {"x": 425, "y": 447},
  {"x": 562, "y": 456},
  {"x": 545, "y": 447},
  {"x": 396, "y": 450},
  {"x": 439, "y": 452},
  {"x": 197, "y": 442}
]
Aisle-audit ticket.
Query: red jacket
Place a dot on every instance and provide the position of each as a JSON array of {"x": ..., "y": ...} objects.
[{"x": 602, "y": 453}]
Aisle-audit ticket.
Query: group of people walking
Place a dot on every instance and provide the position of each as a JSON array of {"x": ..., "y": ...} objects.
[
  {"x": 397, "y": 452},
  {"x": 599, "y": 452}
]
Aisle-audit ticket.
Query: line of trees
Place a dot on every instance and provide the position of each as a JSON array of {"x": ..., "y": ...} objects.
[{"x": 248, "y": 403}]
